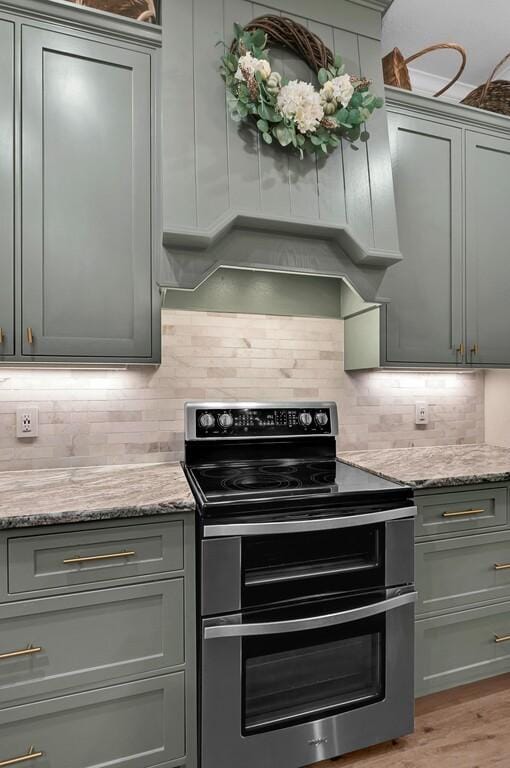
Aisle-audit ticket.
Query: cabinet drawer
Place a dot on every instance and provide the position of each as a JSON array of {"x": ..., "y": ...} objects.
[
  {"x": 80, "y": 640},
  {"x": 460, "y": 647},
  {"x": 49, "y": 561},
  {"x": 138, "y": 724},
  {"x": 457, "y": 572},
  {"x": 470, "y": 510}
]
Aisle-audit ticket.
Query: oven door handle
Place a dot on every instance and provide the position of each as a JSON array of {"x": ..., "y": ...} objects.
[
  {"x": 316, "y": 622},
  {"x": 310, "y": 524}
]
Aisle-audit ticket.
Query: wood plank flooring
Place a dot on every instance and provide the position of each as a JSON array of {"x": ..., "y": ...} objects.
[{"x": 467, "y": 727}]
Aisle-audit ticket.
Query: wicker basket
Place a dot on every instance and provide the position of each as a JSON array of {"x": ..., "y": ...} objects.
[
  {"x": 396, "y": 72},
  {"x": 494, "y": 95},
  {"x": 141, "y": 10}
]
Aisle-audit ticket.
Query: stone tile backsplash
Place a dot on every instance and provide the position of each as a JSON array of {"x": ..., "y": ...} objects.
[{"x": 136, "y": 415}]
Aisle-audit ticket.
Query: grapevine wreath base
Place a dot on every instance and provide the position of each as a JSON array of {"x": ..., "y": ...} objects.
[{"x": 294, "y": 113}]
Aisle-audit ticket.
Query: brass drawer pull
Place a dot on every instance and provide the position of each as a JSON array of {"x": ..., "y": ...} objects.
[
  {"x": 501, "y": 638},
  {"x": 2, "y": 335},
  {"x": 24, "y": 652},
  {"x": 502, "y": 566},
  {"x": 30, "y": 335},
  {"x": 464, "y": 513},
  {"x": 31, "y": 755},
  {"x": 460, "y": 349},
  {"x": 96, "y": 558}
]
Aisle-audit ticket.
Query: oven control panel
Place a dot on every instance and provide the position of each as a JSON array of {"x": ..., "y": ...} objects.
[{"x": 253, "y": 420}]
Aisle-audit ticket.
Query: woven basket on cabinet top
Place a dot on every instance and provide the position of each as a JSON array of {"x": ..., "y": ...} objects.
[
  {"x": 396, "y": 72},
  {"x": 141, "y": 10},
  {"x": 494, "y": 95}
]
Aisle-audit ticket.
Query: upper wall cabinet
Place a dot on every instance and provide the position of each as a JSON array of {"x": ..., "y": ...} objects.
[
  {"x": 6, "y": 189},
  {"x": 448, "y": 297},
  {"x": 84, "y": 191},
  {"x": 229, "y": 199}
]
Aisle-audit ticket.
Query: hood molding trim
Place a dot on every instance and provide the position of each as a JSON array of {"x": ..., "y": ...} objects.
[{"x": 247, "y": 241}]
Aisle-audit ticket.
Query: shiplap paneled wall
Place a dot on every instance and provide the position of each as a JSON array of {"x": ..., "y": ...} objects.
[
  {"x": 97, "y": 417},
  {"x": 213, "y": 168}
]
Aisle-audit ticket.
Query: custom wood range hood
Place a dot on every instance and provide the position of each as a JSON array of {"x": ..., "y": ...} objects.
[{"x": 230, "y": 200}]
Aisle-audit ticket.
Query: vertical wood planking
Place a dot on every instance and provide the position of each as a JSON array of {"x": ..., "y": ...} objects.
[
  {"x": 210, "y": 113},
  {"x": 177, "y": 97},
  {"x": 330, "y": 171},
  {"x": 357, "y": 179},
  {"x": 304, "y": 193},
  {"x": 378, "y": 158},
  {"x": 242, "y": 139},
  {"x": 7, "y": 130},
  {"x": 274, "y": 161}
]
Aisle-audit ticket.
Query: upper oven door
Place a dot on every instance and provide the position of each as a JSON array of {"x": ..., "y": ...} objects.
[
  {"x": 306, "y": 560},
  {"x": 306, "y": 682}
]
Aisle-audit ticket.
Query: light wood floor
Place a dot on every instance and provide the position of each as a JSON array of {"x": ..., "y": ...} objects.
[{"x": 467, "y": 727}]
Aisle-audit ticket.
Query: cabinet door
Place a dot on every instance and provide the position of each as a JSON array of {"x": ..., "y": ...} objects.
[
  {"x": 86, "y": 143},
  {"x": 488, "y": 249},
  {"x": 6, "y": 188},
  {"x": 424, "y": 318}
]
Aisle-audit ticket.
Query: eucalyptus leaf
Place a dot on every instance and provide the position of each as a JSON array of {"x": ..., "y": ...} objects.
[
  {"x": 364, "y": 136},
  {"x": 267, "y": 138},
  {"x": 238, "y": 30},
  {"x": 338, "y": 61},
  {"x": 263, "y": 125},
  {"x": 323, "y": 76},
  {"x": 283, "y": 135},
  {"x": 378, "y": 102}
]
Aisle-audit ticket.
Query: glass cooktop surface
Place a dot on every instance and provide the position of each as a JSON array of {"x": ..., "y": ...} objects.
[{"x": 277, "y": 479}]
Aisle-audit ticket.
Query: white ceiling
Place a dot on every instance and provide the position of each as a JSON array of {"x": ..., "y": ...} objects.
[{"x": 481, "y": 26}]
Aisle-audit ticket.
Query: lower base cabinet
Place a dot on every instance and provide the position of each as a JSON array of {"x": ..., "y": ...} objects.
[
  {"x": 140, "y": 724},
  {"x": 98, "y": 644},
  {"x": 463, "y": 582}
]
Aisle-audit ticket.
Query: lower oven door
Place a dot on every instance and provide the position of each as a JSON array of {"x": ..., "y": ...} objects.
[{"x": 288, "y": 690}]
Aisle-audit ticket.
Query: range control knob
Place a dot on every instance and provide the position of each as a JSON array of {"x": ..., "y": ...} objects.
[
  {"x": 305, "y": 419},
  {"x": 321, "y": 419},
  {"x": 225, "y": 420},
  {"x": 207, "y": 420}
]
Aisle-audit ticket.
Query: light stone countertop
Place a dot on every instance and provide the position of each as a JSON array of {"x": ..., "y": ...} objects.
[
  {"x": 52, "y": 496},
  {"x": 436, "y": 467}
]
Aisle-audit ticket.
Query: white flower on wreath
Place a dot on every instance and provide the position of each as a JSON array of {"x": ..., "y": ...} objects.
[
  {"x": 249, "y": 64},
  {"x": 340, "y": 88},
  {"x": 300, "y": 101}
]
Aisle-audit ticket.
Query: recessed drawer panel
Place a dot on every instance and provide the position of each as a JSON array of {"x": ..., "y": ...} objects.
[
  {"x": 49, "y": 561},
  {"x": 57, "y": 643},
  {"x": 139, "y": 725},
  {"x": 461, "y": 647},
  {"x": 457, "y": 572},
  {"x": 470, "y": 510}
]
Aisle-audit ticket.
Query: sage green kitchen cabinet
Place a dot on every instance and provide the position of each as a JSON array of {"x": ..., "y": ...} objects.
[
  {"x": 102, "y": 647},
  {"x": 7, "y": 132},
  {"x": 487, "y": 249},
  {"x": 424, "y": 316},
  {"x": 462, "y": 561},
  {"x": 84, "y": 196},
  {"x": 447, "y": 304}
]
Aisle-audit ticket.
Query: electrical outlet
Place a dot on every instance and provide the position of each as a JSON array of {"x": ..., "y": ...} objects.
[
  {"x": 27, "y": 422},
  {"x": 422, "y": 414}
]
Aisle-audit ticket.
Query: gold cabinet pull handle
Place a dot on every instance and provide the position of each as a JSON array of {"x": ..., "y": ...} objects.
[
  {"x": 95, "y": 558},
  {"x": 32, "y": 754},
  {"x": 502, "y": 566},
  {"x": 460, "y": 349},
  {"x": 30, "y": 335},
  {"x": 30, "y": 651},
  {"x": 501, "y": 638},
  {"x": 474, "y": 349},
  {"x": 2, "y": 335},
  {"x": 464, "y": 513}
]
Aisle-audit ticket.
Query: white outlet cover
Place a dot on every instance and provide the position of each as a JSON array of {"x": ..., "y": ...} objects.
[
  {"x": 422, "y": 413},
  {"x": 27, "y": 422}
]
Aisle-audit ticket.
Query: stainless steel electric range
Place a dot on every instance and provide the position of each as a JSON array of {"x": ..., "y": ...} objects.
[{"x": 306, "y": 597}]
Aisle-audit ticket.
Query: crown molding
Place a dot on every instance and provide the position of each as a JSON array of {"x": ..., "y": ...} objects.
[
  {"x": 87, "y": 20},
  {"x": 440, "y": 108},
  {"x": 428, "y": 84},
  {"x": 376, "y": 5}
]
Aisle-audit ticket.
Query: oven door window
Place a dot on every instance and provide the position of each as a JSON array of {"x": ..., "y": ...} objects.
[
  {"x": 300, "y": 676},
  {"x": 292, "y": 566}
]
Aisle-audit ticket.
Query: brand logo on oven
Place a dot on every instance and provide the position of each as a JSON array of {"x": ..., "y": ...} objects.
[{"x": 317, "y": 742}]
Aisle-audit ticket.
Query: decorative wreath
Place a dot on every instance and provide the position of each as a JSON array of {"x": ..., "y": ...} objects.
[{"x": 294, "y": 113}]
